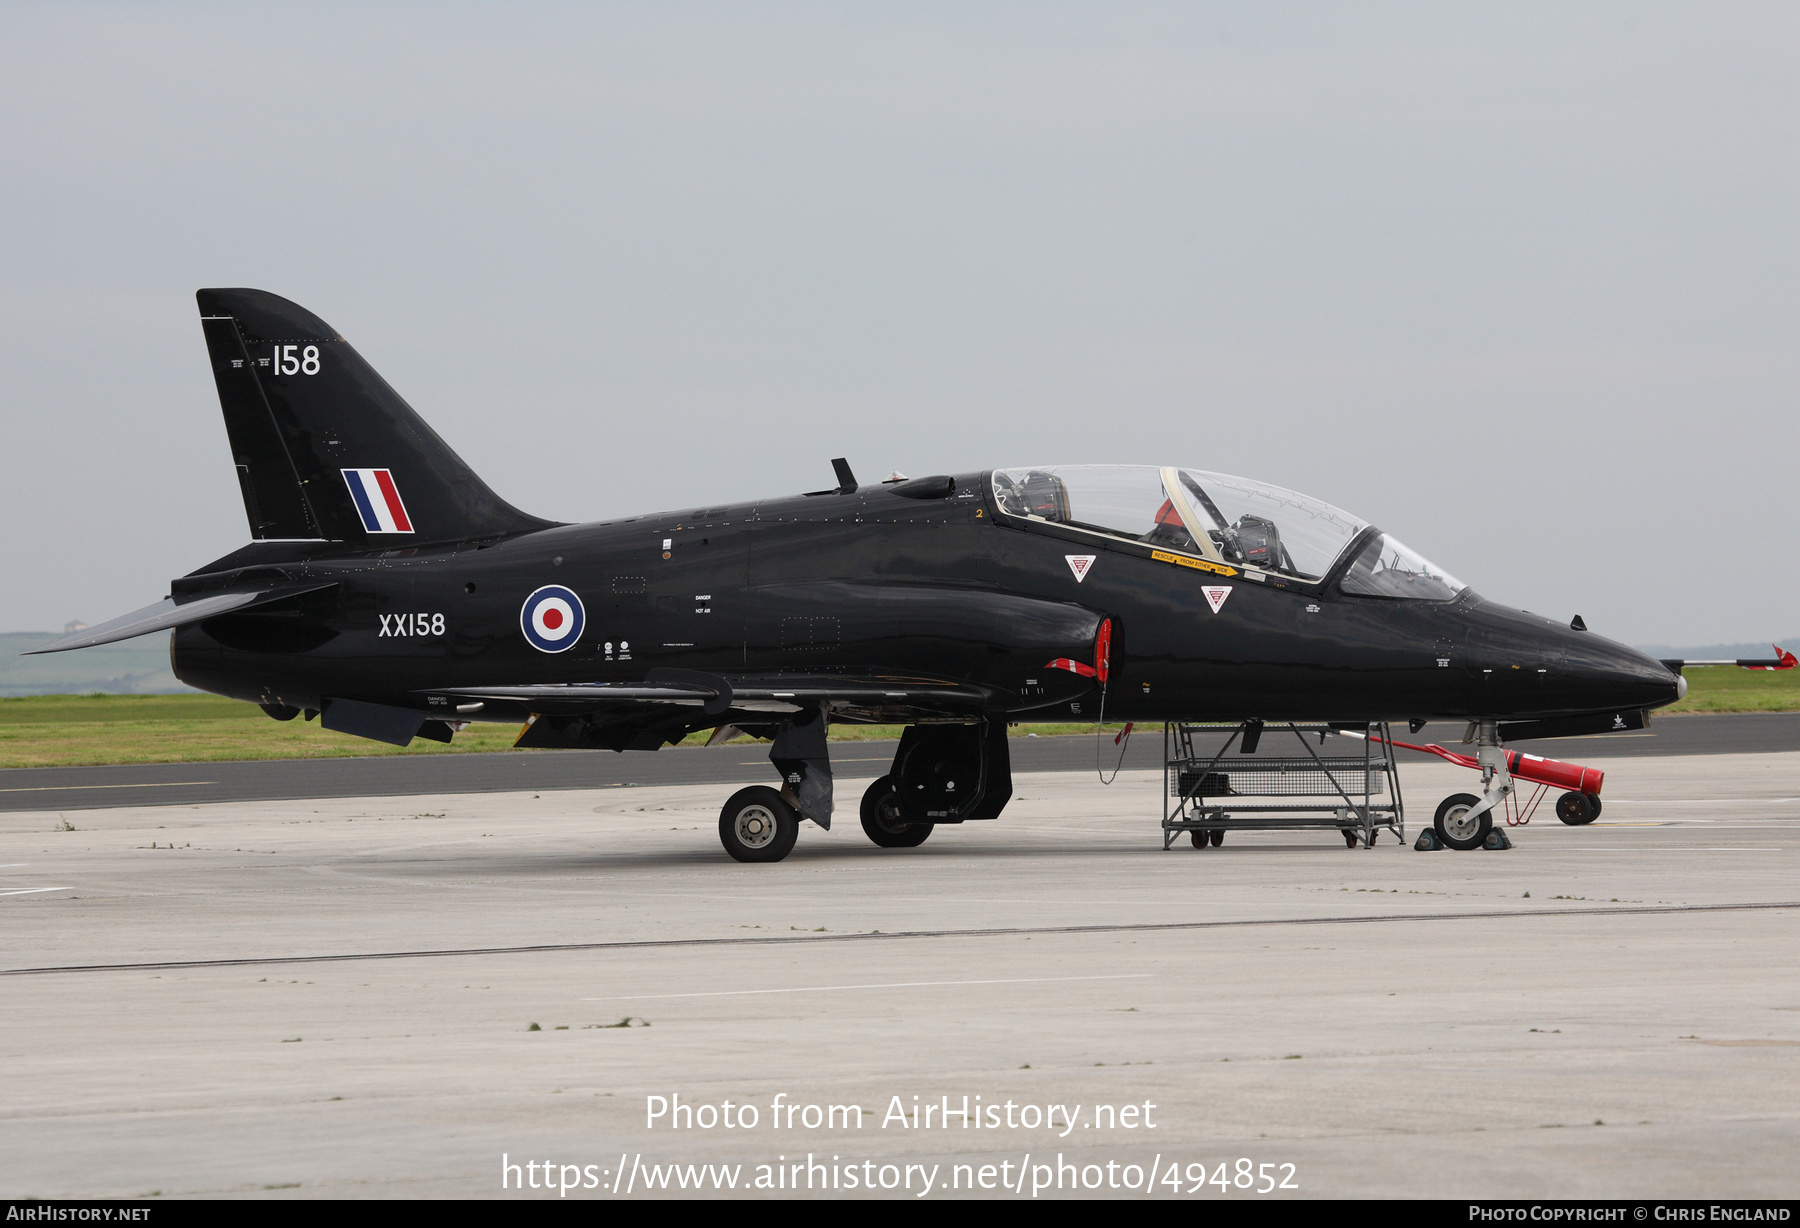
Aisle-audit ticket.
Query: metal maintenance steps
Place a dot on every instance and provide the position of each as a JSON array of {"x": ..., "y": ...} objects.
[{"x": 1218, "y": 774}]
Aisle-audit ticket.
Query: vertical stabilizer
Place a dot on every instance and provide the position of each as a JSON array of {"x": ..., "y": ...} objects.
[{"x": 324, "y": 448}]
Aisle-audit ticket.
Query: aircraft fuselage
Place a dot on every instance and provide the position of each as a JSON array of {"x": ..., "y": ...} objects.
[{"x": 944, "y": 588}]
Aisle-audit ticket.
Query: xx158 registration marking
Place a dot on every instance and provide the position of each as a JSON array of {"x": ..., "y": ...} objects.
[{"x": 411, "y": 624}]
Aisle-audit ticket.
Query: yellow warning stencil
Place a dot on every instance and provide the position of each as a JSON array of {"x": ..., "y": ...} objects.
[{"x": 1163, "y": 556}]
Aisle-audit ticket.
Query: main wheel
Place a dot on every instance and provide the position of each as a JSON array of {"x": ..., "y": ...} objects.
[
  {"x": 757, "y": 825},
  {"x": 1456, "y": 828},
  {"x": 1574, "y": 809},
  {"x": 881, "y": 820}
]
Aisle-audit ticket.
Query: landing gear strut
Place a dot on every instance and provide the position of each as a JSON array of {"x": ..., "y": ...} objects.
[
  {"x": 1464, "y": 820},
  {"x": 942, "y": 773}
]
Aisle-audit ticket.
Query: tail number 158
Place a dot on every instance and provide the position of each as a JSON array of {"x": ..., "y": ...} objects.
[{"x": 296, "y": 360}]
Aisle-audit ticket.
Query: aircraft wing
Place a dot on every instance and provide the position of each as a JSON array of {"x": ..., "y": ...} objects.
[
  {"x": 178, "y": 611},
  {"x": 716, "y": 695},
  {"x": 670, "y": 703}
]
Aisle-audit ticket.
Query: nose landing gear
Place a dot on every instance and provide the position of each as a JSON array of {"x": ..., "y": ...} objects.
[
  {"x": 1460, "y": 825},
  {"x": 1463, "y": 820}
]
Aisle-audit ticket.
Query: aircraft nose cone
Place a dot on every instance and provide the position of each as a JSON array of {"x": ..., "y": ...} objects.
[
  {"x": 1527, "y": 663},
  {"x": 1627, "y": 677}
]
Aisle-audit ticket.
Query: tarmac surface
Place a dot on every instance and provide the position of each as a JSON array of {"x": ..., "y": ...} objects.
[
  {"x": 333, "y": 997},
  {"x": 181, "y": 784}
]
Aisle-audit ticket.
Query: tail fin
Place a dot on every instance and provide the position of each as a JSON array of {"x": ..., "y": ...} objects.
[{"x": 325, "y": 449}]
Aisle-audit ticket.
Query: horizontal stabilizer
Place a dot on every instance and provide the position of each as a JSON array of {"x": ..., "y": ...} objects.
[{"x": 173, "y": 612}]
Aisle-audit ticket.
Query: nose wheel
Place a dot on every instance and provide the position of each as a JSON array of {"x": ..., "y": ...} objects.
[{"x": 1457, "y": 828}]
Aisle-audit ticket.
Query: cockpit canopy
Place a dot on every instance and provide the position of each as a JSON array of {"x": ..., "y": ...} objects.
[{"x": 1229, "y": 520}]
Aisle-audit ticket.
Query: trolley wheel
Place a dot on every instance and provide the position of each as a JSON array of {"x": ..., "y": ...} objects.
[
  {"x": 1200, "y": 838},
  {"x": 1218, "y": 837},
  {"x": 881, "y": 820},
  {"x": 757, "y": 825},
  {"x": 1577, "y": 809},
  {"x": 1454, "y": 826},
  {"x": 1349, "y": 838}
]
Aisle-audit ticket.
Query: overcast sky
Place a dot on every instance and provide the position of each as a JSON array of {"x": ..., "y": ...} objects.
[{"x": 1518, "y": 283}]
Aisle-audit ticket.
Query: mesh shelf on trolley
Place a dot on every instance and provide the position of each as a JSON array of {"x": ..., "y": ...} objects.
[{"x": 1278, "y": 778}]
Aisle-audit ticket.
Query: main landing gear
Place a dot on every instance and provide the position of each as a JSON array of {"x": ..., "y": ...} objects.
[
  {"x": 948, "y": 773},
  {"x": 757, "y": 824},
  {"x": 883, "y": 822}
]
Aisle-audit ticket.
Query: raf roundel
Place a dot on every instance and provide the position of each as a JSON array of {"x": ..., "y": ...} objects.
[{"x": 552, "y": 618}]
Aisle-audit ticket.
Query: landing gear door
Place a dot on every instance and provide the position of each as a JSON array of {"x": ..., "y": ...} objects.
[{"x": 952, "y": 773}]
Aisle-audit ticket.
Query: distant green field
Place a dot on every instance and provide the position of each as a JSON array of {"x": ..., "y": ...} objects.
[
  {"x": 66, "y": 730},
  {"x": 132, "y": 667},
  {"x": 1725, "y": 688}
]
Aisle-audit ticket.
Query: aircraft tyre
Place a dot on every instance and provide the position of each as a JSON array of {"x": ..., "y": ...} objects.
[
  {"x": 757, "y": 825},
  {"x": 881, "y": 820},
  {"x": 1576, "y": 809},
  {"x": 1456, "y": 829}
]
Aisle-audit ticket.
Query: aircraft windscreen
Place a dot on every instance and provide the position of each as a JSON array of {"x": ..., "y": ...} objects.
[{"x": 1386, "y": 568}]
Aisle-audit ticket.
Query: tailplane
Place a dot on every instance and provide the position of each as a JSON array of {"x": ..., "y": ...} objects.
[{"x": 325, "y": 449}]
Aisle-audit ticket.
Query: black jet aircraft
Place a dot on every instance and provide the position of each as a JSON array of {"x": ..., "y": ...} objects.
[{"x": 388, "y": 592}]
